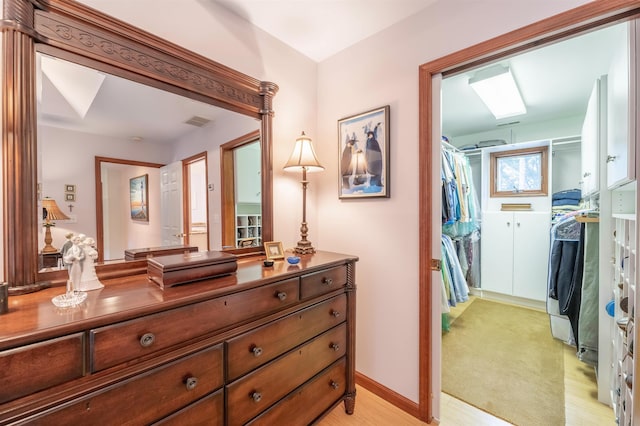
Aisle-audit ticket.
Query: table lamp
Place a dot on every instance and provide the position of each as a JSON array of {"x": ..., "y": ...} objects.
[
  {"x": 53, "y": 212},
  {"x": 303, "y": 159}
]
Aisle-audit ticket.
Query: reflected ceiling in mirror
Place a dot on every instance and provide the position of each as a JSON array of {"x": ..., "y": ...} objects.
[{"x": 84, "y": 114}]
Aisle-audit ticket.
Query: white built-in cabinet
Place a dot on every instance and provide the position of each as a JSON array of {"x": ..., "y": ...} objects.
[
  {"x": 515, "y": 253},
  {"x": 621, "y": 110},
  {"x": 596, "y": 109},
  {"x": 623, "y": 287}
]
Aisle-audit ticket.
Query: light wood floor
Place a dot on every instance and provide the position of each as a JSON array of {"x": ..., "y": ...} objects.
[{"x": 582, "y": 407}]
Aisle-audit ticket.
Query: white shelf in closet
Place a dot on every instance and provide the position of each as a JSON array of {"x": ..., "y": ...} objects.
[{"x": 624, "y": 216}]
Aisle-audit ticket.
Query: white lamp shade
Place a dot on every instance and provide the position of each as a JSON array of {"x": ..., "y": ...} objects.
[{"x": 303, "y": 156}]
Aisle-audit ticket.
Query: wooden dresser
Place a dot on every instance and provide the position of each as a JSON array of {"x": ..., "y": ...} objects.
[{"x": 263, "y": 346}]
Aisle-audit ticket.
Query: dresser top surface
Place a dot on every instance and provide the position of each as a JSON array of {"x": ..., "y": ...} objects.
[{"x": 33, "y": 317}]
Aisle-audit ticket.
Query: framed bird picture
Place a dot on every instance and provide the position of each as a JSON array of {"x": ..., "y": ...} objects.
[{"x": 363, "y": 157}]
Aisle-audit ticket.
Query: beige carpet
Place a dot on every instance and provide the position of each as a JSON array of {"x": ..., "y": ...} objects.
[{"x": 503, "y": 359}]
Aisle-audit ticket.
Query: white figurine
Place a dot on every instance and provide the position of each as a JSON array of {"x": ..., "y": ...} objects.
[
  {"x": 73, "y": 257},
  {"x": 89, "y": 280}
]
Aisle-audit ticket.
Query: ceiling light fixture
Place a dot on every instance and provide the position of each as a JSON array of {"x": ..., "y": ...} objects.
[{"x": 498, "y": 90}]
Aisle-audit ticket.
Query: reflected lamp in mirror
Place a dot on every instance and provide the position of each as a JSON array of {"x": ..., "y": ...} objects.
[
  {"x": 303, "y": 159},
  {"x": 52, "y": 212}
]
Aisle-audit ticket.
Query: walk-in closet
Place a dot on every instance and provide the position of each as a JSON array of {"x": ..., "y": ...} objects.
[{"x": 539, "y": 231}]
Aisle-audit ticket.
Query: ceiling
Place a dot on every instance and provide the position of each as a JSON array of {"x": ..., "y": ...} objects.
[
  {"x": 555, "y": 81},
  {"x": 320, "y": 28}
]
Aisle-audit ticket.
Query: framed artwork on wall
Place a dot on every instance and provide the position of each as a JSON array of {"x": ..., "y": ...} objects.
[
  {"x": 139, "y": 196},
  {"x": 363, "y": 156}
]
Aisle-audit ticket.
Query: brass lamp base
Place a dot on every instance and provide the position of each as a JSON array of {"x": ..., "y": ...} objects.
[
  {"x": 304, "y": 247},
  {"x": 48, "y": 248},
  {"x": 304, "y": 250}
]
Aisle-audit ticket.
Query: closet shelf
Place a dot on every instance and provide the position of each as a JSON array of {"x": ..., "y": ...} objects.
[
  {"x": 587, "y": 219},
  {"x": 625, "y": 216}
]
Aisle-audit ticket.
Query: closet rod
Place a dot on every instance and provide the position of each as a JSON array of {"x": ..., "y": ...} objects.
[{"x": 449, "y": 146}]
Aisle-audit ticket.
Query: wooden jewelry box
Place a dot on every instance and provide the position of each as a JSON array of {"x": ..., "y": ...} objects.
[{"x": 168, "y": 271}]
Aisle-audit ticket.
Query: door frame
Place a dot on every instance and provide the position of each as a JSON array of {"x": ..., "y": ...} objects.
[
  {"x": 99, "y": 205},
  {"x": 555, "y": 28},
  {"x": 186, "y": 195}
]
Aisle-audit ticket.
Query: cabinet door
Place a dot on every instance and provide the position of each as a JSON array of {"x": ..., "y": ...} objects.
[
  {"x": 531, "y": 235},
  {"x": 621, "y": 108},
  {"x": 497, "y": 252},
  {"x": 591, "y": 142}
]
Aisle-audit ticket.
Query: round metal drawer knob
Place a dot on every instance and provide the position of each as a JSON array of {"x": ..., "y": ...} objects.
[
  {"x": 335, "y": 385},
  {"x": 281, "y": 295},
  {"x": 147, "y": 340},
  {"x": 327, "y": 281},
  {"x": 335, "y": 313},
  {"x": 257, "y": 351},
  {"x": 191, "y": 383},
  {"x": 256, "y": 396},
  {"x": 335, "y": 347}
]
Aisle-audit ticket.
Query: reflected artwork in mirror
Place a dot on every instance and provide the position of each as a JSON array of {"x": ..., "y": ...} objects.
[{"x": 111, "y": 55}]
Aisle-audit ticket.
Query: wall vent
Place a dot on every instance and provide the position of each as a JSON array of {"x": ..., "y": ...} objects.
[{"x": 197, "y": 121}]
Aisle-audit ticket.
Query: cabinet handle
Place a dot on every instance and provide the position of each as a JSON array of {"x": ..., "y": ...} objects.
[
  {"x": 334, "y": 385},
  {"x": 611, "y": 158},
  {"x": 281, "y": 295},
  {"x": 256, "y": 396},
  {"x": 147, "y": 340},
  {"x": 191, "y": 383},
  {"x": 587, "y": 174},
  {"x": 508, "y": 223},
  {"x": 335, "y": 347},
  {"x": 256, "y": 351},
  {"x": 518, "y": 223},
  {"x": 327, "y": 281},
  {"x": 335, "y": 314}
]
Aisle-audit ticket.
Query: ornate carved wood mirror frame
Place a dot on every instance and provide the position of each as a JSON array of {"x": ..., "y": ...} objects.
[{"x": 70, "y": 30}]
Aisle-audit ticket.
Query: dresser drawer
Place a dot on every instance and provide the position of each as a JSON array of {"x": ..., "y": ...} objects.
[
  {"x": 32, "y": 368},
  {"x": 306, "y": 403},
  {"x": 208, "y": 411},
  {"x": 147, "y": 397},
  {"x": 250, "y": 350},
  {"x": 257, "y": 391},
  {"x": 323, "y": 282},
  {"x": 128, "y": 340}
]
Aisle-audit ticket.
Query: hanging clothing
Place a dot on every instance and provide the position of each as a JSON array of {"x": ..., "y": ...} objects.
[
  {"x": 459, "y": 199},
  {"x": 460, "y": 214},
  {"x": 588, "y": 315},
  {"x": 458, "y": 290}
]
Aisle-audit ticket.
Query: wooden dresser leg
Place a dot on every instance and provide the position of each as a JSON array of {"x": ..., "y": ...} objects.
[{"x": 350, "y": 403}]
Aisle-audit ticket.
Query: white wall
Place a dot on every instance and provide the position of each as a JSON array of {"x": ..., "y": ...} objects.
[{"x": 381, "y": 70}]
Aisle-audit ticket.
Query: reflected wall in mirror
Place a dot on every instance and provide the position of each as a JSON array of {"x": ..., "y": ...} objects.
[
  {"x": 85, "y": 114},
  {"x": 69, "y": 30}
]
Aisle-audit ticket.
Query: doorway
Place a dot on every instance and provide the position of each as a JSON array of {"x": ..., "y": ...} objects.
[
  {"x": 196, "y": 201},
  {"x": 560, "y": 27}
]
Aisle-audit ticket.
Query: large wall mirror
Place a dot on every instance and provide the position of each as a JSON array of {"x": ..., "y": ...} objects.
[{"x": 96, "y": 111}]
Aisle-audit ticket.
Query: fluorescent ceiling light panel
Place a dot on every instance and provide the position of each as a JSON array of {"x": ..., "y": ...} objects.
[{"x": 498, "y": 90}]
